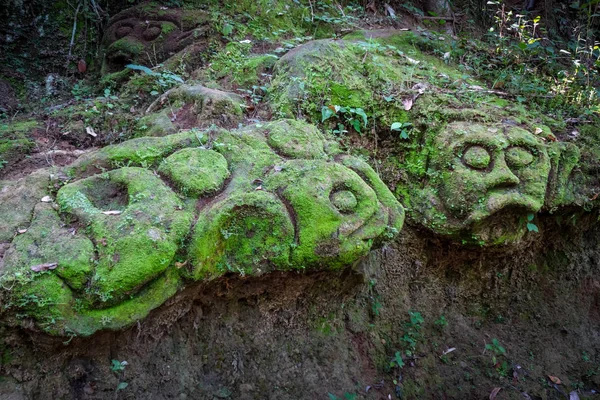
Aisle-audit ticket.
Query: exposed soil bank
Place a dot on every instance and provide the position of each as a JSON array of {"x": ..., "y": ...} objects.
[{"x": 303, "y": 336}]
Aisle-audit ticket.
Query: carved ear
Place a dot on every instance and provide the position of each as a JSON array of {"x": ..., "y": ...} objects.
[{"x": 561, "y": 188}]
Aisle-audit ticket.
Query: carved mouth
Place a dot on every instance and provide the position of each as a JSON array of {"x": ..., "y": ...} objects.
[{"x": 505, "y": 204}]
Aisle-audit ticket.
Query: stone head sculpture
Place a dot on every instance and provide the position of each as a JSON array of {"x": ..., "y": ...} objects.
[
  {"x": 148, "y": 34},
  {"x": 484, "y": 180},
  {"x": 192, "y": 207}
]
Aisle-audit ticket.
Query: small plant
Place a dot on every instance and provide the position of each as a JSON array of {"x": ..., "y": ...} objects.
[
  {"x": 118, "y": 366},
  {"x": 349, "y": 115},
  {"x": 531, "y": 227},
  {"x": 498, "y": 351},
  {"x": 441, "y": 322},
  {"x": 412, "y": 332},
  {"x": 162, "y": 80},
  {"x": 403, "y": 127},
  {"x": 397, "y": 361}
]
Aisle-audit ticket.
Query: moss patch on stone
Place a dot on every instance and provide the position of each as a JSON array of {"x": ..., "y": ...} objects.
[
  {"x": 135, "y": 244},
  {"x": 195, "y": 171}
]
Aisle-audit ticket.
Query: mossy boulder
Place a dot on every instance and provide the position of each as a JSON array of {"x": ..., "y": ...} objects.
[
  {"x": 191, "y": 105},
  {"x": 120, "y": 241}
]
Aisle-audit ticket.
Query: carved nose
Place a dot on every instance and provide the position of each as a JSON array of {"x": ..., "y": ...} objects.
[{"x": 501, "y": 175}]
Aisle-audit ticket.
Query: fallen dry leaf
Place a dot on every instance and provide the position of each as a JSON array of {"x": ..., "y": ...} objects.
[
  {"x": 573, "y": 396},
  {"x": 390, "y": 10},
  {"x": 46, "y": 199},
  {"x": 181, "y": 264},
  {"x": 113, "y": 212},
  {"x": 82, "y": 66},
  {"x": 594, "y": 197},
  {"x": 408, "y": 103},
  {"x": 44, "y": 267},
  {"x": 21, "y": 231},
  {"x": 495, "y": 393},
  {"x": 90, "y": 131},
  {"x": 450, "y": 350},
  {"x": 538, "y": 131},
  {"x": 554, "y": 379}
]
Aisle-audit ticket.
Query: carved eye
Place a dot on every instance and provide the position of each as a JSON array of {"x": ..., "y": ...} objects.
[
  {"x": 518, "y": 157},
  {"x": 151, "y": 33},
  {"x": 477, "y": 157},
  {"x": 344, "y": 201},
  {"x": 123, "y": 31}
]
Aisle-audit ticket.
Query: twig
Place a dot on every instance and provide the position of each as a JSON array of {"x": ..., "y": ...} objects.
[
  {"x": 436, "y": 18},
  {"x": 73, "y": 33}
]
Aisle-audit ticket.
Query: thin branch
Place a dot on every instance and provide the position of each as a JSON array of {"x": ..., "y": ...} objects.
[{"x": 73, "y": 33}]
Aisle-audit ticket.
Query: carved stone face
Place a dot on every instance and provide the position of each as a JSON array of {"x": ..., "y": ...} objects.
[
  {"x": 147, "y": 35},
  {"x": 483, "y": 171}
]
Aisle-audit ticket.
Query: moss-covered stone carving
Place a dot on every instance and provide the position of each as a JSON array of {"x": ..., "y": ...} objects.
[
  {"x": 141, "y": 219},
  {"x": 148, "y": 34},
  {"x": 467, "y": 164},
  {"x": 477, "y": 171}
]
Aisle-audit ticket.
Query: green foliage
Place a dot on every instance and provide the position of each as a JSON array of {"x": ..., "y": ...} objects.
[
  {"x": 558, "y": 74},
  {"x": 402, "y": 127},
  {"x": 397, "y": 361},
  {"x": 412, "y": 332},
  {"x": 161, "y": 81},
  {"x": 531, "y": 227},
  {"x": 346, "y": 115},
  {"x": 117, "y": 366}
]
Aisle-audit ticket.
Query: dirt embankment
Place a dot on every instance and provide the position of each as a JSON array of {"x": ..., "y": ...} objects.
[{"x": 513, "y": 318}]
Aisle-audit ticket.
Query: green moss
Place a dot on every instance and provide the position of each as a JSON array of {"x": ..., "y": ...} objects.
[
  {"x": 196, "y": 172},
  {"x": 286, "y": 205},
  {"x": 248, "y": 234},
  {"x": 17, "y": 201},
  {"x": 167, "y": 27},
  {"x": 142, "y": 152},
  {"x": 48, "y": 241},
  {"x": 296, "y": 139},
  {"x": 15, "y": 141},
  {"x": 139, "y": 243}
]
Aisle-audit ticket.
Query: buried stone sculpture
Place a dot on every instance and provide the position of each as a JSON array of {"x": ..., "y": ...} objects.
[
  {"x": 140, "y": 219},
  {"x": 148, "y": 34}
]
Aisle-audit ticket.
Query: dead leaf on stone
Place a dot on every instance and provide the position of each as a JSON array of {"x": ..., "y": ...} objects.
[
  {"x": 495, "y": 393},
  {"x": 44, "y": 267},
  {"x": 573, "y": 396},
  {"x": 554, "y": 379},
  {"x": 46, "y": 199},
  {"x": 112, "y": 212},
  {"x": 90, "y": 131},
  {"x": 408, "y": 103}
]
